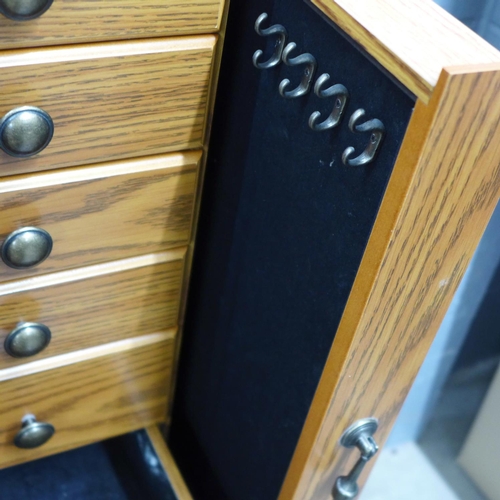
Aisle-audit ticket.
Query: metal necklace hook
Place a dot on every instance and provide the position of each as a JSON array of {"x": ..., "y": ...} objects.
[
  {"x": 305, "y": 84},
  {"x": 377, "y": 129},
  {"x": 341, "y": 94},
  {"x": 276, "y": 29}
]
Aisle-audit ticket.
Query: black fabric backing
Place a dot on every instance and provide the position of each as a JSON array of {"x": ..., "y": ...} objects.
[
  {"x": 122, "y": 468},
  {"x": 282, "y": 232}
]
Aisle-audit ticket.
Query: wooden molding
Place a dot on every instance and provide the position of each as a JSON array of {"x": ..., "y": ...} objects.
[
  {"x": 413, "y": 39},
  {"x": 444, "y": 188},
  {"x": 168, "y": 463}
]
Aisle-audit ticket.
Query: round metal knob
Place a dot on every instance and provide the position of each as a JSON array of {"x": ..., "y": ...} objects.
[
  {"x": 24, "y": 10},
  {"x": 26, "y": 247},
  {"x": 27, "y": 339},
  {"x": 33, "y": 434},
  {"x": 25, "y": 131}
]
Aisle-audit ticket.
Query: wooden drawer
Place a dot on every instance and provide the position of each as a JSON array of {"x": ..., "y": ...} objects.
[
  {"x": 110, "y": 101},
  {"x": 122, "y": 387},
  {"x": 68, "y": 21},
  {"x": 102, "y": 213},
  {"x": 95, "y": 305}
]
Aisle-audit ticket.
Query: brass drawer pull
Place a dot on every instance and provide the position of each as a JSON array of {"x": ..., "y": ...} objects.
[
  {"x": 25, "y": 131},
  {"x": 33, "y": 434},
  {"x": 24, "y": 10},
  {"x": 27, "y": 339},
  {"x": 26, "y": 247},
  {"x": 358, "y": 435}
]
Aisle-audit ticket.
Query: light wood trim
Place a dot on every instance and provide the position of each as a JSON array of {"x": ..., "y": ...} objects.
[
  {"x": 69, "y": 358},
  {"x": 88, "y": 52},
  {"x": 88, "y": 401},
  {"x": 90, "y": 272},
  {"x": 412, "y": 39},
  {"x": 168, "y": 463},
  {"x": 138, "y": 210},
  {"x": 110, "y": 101},
  {"x": 103, "y": 171},
  {"x": 444, "y": 187},
  {"x": 84, "y": 21},
  {"x": 104, "y": 309}
]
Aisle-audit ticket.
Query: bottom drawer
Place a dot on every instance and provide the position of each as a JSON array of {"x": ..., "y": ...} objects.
[
  {"x": 135, "y": 466},
  {"x": 121, "y": 390}
]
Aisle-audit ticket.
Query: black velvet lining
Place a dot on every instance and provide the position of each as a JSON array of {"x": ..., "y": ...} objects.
[
  {"x": 123, "y": 468},
  {"x": 283, "y": 228}
]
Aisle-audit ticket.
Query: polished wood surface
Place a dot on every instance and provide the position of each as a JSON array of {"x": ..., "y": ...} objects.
[
  {"x": 443, "y": 190},
  {"x": 68, "y": 21},
  {"x": 102, "y": 213},
  {"x": 168, "y": 463},
  {"x": 412, "y": 39},
  {"x": 87, "y": 401},
  {"x": 98, "y": 306},
  {"x": 110, "y": 101}
]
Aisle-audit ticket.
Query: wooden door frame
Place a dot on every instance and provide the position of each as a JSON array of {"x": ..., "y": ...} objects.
[{"x": 440, "y": 197}]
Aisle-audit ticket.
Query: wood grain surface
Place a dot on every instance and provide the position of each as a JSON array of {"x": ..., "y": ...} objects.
[
  {"x": 68, "y": 21},
  {"x": 110, "y": 101},
  {"x": 168, "y": 463},
  {"x": 87, "y": 401},
  {"x": 96, "y": 310},
  {"x": 444, "y": 187},
  {"x": 102, "y": 213},
  {"x": 412, "y": 39}
]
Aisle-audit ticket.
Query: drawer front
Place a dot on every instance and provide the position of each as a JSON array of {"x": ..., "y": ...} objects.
[
  {"x": 89, "y": 400},
  {"x": 102, "y": 213},
  {"x": 68, "y": 21},
  {"x": 96, "y": 305},
  {"x": 110, "y": 101}
]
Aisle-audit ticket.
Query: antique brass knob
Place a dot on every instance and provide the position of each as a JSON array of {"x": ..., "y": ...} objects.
[
  {"x": 27, "y": 339},
  {"x": 33, "y": 434},
  {"x": 25, "y": 131},
  {"x": 26, "y": 247},
  {"x": 24, "y": 10},
  {"x": 359, "y": 435}
]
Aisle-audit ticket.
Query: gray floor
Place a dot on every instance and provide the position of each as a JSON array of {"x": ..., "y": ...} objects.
[
  {"x": 453, "y": 417},
  {"x": 428, "y": 469}
]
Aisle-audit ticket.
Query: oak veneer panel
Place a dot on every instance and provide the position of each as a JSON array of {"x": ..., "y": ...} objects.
[
  {"x": 102, "y": 213},
  {"x": 100, "y": 304},
  {"x": 444, "y": 188},
  {"x": 110, "y": 101},
  {"x": 88, "y": 401},
  {"x": 412, "y": 39},
  {"x": 68, "y": 21}
]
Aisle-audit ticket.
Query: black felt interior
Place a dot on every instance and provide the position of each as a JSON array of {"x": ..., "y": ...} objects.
[
  {"x": 283, "y": 228},
  {"x": 124, "y": 468}
]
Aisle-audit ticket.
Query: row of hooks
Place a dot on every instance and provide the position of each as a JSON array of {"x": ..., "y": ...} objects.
[{"x": 282, "y": 53}]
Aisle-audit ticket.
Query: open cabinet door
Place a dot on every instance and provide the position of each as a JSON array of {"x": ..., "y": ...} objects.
[
  {"x": 318, "y": 283},
  {"x": 442, "y": 191}
]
